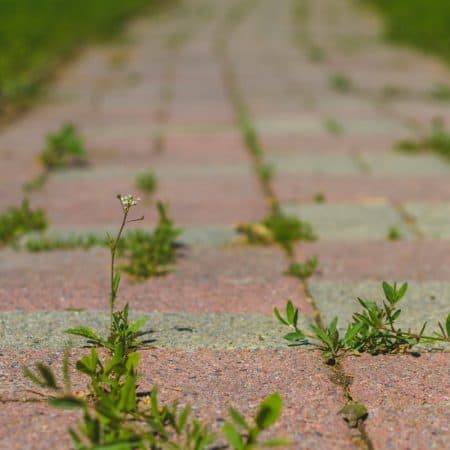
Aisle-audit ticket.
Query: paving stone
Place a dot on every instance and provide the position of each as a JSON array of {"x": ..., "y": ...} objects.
[
  {"x": 432, "y": 219},
  {"x": 426, "y": 301},
  {"x": 398, "y": 164},
  {"x": 350, "y": 221},
  {"x": 212, "y": 381},
  {"x": 408, "y": 399},
  {"x": 196, "y": 200},
  {"x": 35, "y": 426},
  {"x": 170, "y": 330},
  {"x": 339, "y": 188},
  {"x": 399, "y": 260},
  {"x": 325, "y": 143},
  {"x": 314, "y": 163},
  {"x": 236, "y": 279}
]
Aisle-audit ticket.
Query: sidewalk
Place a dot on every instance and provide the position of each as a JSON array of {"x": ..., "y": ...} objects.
[{"x": 147, "y": 103}]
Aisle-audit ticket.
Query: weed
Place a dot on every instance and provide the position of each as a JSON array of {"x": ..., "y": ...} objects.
[
  {"x": 371, "y": 331},
  {"x": 16, "y": 222},
  {"x": 70, "y": 242},
  {"x": 341, "y": 83},
  {"x": 319, "y": 197},
  {"x": 394, "y": 234},
  {"x": 303, "y": 270},
  {"x": 150, "y": 254},
  {"x": 333, "y": 127},
  {"x": 438, "y": 141},
  {"x": 278, "y": 228},
  {"x": 64, "y": 149},
  {"x": 114, "y": 414},
  {"x": 440, "y": 92},
  {"x": 146, "y": 182},
  {"x": 315, "y": 53}
]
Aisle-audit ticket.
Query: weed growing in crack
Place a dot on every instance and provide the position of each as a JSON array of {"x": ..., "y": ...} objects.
[
  {"x": 303, "y": 270},
  {"x": 278, "y": 228},
  {"x": 146, "y": 182},
  {"x": 373, "y": 330},
  {"x": 142, "y": 254},
  {"x": 440, "y": 92},
  {"x": 333, "y": 127},
  {"x": 70, "y": 242},
  {"x": 319, "y": 197},
  {"x": 64, "y": 149},
  {"x": 437, "y": 140},
  {"x": 341, "y": 83},
  {"x": 150, "y": 254},
  {"x": 114, "y": 414},
  {"x": 394, "y": 234},
  {"x": 17, "y": 221}
]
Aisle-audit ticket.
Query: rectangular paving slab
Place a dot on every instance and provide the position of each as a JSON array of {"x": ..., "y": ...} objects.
[
  {"x": 432, "y": 219},
  {"x": 427, "y": 301},
  {"x": 407, "y": 398},
  {"x": 237, "y": 279},
  {"x": 379, "y": 260},
  {"x": 350, "y": 221},
  {"x": 212, "y": 381}
]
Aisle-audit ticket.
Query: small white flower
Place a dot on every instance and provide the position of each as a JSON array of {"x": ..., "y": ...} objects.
[{"x": 128, "y": 201}]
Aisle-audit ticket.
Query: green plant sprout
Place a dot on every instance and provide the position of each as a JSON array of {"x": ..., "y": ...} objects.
[
  {"x": 17, "y": 221},
  {"x": 333, "y": 127},
  {"x": 279, "y": 228},
  {"x": 438, "y": 141},
  {"x": 341, "y": 83},
  {"x": 146, "y": 182},
  {"x": 114, "y": 414},
  {"x": 151, "y": 254},
  {"x": 394, "y": 234},
  {"x": 303, "y": 270},
  {"x": 319, "y": 197},
  {"x": 64, "y": 149},
  {"x": 373, "y": 330}
]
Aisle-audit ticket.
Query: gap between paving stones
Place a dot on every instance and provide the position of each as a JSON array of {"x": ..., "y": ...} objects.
[{"x": 338, "y": 375}]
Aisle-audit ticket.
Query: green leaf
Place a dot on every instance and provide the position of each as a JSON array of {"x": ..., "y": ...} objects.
[
  {"x": 402, "y": 290},
  {"x": 233, "y": 436},
  {"x": 132, "y": 361},
  {"x": 116, "y": 282},
  {"x": 279, "y": 317},
  {"x": 127, "y": 400},
  {"x": 269, "y": 411},
  {"x": 447, "y": 325},
  {"x": 47, "y": 376},
  {"x": 295, "y": 336},
  {"x": 85, "y": 332},
  {"x": 322, "y": 335},
  {"x": 237, "y": 418},
  {"x": 137, "y": 325},
  {"x": 388, "y": 292},
  {"x": 333, "y": 325},
  {"x": 67, "y": 402},
  {"x": 290, "y": 312},
  {"x": 275, "y": 443},
  {"x": 183, "y": 418},
  {"x": 352, "y": 331}
]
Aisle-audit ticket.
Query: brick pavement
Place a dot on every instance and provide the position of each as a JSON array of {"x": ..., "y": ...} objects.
[{"x": 149, "y": 104}]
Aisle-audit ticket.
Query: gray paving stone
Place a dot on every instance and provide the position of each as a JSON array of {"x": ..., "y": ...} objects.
[
  {"x": 350, "y": 221},
  {"x": 313, "y": 163},
  {"x": 427, "y": 301},
  {"x": 39, "y": 330},
  {"x": 196, "y": 236},
  {"x": 432, "y": 219},
  {"x": 397, "y": 164},
  {"x": 175, "y": 171}
]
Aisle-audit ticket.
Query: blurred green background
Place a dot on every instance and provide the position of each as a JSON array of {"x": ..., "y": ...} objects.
[
  {"x": 424, "y": 24},
  {"x": 35, "y": 35}
]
